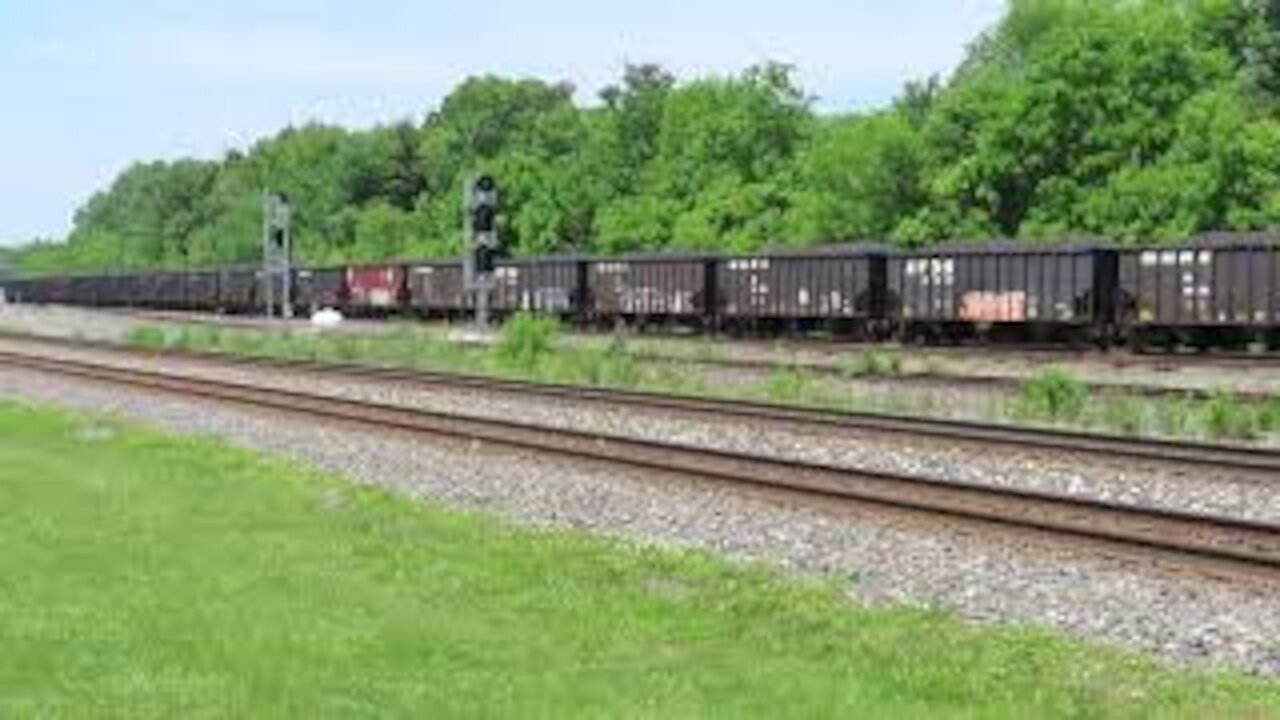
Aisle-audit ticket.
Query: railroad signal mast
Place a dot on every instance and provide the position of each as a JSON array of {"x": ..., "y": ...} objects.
[
  {"x": 483, "y": 246},
  {"x": 5, "y": 271},
  {"x": 277, "y": 241}
]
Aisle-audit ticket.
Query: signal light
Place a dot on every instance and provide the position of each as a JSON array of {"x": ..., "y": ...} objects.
[
  {"x": 485, "y": 259},
  {"x": 483, "y": 204},
  {"x": 483, "y": 218},
  {"x": 480, "y": 212},
  {"x": 482, "y": 224}
]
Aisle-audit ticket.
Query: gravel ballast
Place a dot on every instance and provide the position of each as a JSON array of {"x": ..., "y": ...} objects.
[
  {"x": 1191, "y": 489},
  {"x": 1121, "y": 369},
  {"x": 1181, "y": 618}
]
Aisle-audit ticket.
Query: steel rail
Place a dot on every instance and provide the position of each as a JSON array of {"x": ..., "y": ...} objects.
[
  {"x": 1216, "y": 456},
  {"x": 1219, "y": 456},
  {"x": 1226, "y": 543}
]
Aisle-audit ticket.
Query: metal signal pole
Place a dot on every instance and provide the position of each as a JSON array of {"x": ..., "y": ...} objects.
[
  {"x": 480, "y": 227},
  {"x": 277, "y": 241}
]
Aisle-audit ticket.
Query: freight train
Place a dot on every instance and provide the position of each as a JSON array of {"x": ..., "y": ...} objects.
[{"x": 1210, "y": 291}]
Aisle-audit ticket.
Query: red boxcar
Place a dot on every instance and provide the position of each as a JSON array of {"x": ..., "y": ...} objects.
[{"x": 376, "y": 286}]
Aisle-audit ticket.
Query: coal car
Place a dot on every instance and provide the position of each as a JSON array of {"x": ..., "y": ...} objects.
[
  {"x": 201, "y": 291},
  {"x": 553, "y": 286},
  {"x": 376, "y": 289},
  {"x": 545, "y": 285},
  {"x": 239, "y": 290},
  {"x": 436, "y": 289},
  {"x": 320, "y": 287},
  {"x": 114, "y": 290},
  {"x": 1003, "y": 291},
  {"x": 1214, "y": 291},
  {"x": 666, "y": 288},
  {"x": 839, "y": 289}
]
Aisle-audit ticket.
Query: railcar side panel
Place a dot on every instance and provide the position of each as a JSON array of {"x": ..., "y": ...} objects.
[
  {"x": 117, "y": 290},
  {"x": 238, "y": 290},
  {"x": 995, "y": 287},
  {"x": 201, "y": 290},
  {"x": 315, "y": 288},
  {"x": 1201, "y": 286},
  {"x": 794, "y": 287},
  {"x": 81, "y": 291},
  {"x": 546, "y": 286},
  {"x": 173, "y": 290},
  {"x": 647, "y": 288},
  {"x": 376, "y": 287},
  {"x": 437, "y": 288}
]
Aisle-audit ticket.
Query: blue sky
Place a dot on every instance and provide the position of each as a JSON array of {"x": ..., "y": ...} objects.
[{"x": 90, "y": 87}]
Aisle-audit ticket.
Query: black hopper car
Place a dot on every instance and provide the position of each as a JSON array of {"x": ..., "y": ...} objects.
[{"x": 1211, "y": 291}]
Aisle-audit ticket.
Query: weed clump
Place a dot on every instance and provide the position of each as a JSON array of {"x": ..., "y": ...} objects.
[
  {"x": 1123, "y": 416},
  {"x": 1226, "y": 417},
  {"x": 615, "y": 366},
  {"x": 1054, "y": 394},
  {"x": 1176, "y": 418},
  {"x": 1269, "y": 415},
  {"x": 526, "y": 339},
  {"x": 872, "y": 363},
  {"x": 787, "y": 385},
  {"x": 146, "y": 336}
]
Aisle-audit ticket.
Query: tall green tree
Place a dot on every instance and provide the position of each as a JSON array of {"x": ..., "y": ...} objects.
[
  {"x": 722, "y": 145},
  {"x": 858, "y": 178}
]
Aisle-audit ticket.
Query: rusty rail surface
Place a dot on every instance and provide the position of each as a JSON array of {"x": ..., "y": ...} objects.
[
  {"x": 1224, "y": 543},
  {"x": 1218, "y": 456}
]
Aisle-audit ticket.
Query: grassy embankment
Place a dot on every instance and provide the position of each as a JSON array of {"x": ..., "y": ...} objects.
[
  {"x": 530, "y": 348},
  {"x": 144, "y": 575}
]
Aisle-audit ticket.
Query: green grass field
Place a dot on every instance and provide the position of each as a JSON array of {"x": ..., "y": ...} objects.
[{"x": 150, "y": 576}]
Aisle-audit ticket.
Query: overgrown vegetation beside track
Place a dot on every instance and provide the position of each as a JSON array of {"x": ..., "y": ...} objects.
[
  {"x": 529, "y": 348},
  {"x": 1055, "y": 395},
  {"x": 145, "y": 575}
]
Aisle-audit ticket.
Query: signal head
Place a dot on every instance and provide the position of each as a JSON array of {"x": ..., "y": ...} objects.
[{"x": 484, "y": 259}]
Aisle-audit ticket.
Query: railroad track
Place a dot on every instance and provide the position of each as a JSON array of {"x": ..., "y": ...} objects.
[
  {"x": 1038, "y": 354},
  {"x": 951, "y": 380},
  {"x": 1209, "y": 543},
  {"x": 1216, "y": 456},
  {"x": 940, "y": 380}
]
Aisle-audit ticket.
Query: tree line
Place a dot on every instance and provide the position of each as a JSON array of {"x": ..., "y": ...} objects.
[{"x": 1135, "y": 120}]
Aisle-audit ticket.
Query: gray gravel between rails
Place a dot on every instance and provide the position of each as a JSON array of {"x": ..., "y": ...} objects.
[
  {"x": 899, "y": 395},
  {"x": 1249, "y": 497},
  {"x": 114, "y": 326},
  {"x": 1180, "y": 618}
]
